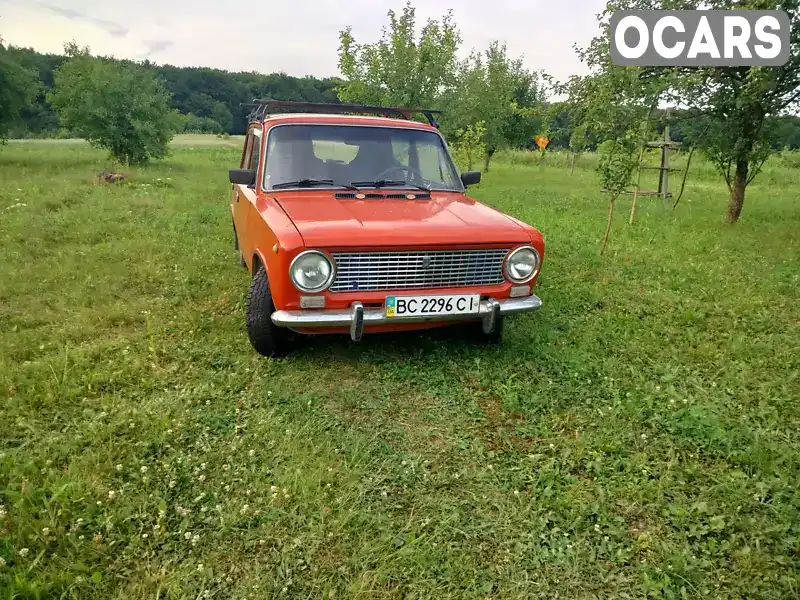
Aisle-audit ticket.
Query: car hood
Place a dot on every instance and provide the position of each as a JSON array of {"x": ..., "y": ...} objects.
[{"x": 323, "y": 220}]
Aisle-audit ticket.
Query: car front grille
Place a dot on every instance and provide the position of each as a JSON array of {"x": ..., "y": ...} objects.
[{"x": 372, "y": 271}]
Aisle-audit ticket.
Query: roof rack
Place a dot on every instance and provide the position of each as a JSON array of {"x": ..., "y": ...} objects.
[{"x": 263, "y": 107}]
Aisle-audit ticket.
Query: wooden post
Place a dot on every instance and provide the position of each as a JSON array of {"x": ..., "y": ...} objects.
[
  {"x": 665, "y": 166},
  {"x": 632, "y": 216}
]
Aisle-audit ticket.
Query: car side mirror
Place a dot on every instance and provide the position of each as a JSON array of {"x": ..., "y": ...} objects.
[
  {"x": 471, "y": 178},
  {"x": 242, "y": 176}
]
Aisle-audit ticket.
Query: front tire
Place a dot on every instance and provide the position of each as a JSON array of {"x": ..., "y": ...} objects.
[{"x": 267, "y": 338}]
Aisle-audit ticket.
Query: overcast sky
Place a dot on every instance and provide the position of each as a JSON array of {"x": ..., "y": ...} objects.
[{"x": 299, "y": 37}]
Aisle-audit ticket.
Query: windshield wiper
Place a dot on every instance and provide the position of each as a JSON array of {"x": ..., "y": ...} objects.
[
  {"x": 391, "y": 183},
  {"x": 302, "y": 183}
]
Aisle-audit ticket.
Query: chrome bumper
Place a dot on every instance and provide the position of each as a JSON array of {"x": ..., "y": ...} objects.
[{"x": 357, "y": 317}]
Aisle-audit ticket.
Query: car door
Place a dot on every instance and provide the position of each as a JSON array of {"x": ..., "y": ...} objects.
[{"x": 243, "y": 196}]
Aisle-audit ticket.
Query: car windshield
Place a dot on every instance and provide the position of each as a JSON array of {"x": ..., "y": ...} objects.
[{"x": 357, "y": 156}]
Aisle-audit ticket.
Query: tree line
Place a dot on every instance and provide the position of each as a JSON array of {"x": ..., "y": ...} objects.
[
  {"x": 207, "y": 100},
  {"x": 736, "y": 116}
]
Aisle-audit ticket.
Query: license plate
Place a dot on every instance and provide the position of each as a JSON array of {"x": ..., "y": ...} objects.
[{"x": 416, "y": 306}]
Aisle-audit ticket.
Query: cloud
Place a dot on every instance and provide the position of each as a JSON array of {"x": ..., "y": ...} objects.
[
  {"x": 111, "y": 27},
  {"x": 154, "y": 46}
]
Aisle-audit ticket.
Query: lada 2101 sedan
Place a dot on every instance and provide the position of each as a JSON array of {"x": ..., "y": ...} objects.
[{"x": 355, "y": 219}]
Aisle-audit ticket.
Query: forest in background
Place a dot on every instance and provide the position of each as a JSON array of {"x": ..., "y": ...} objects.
[{"x": 209, "y": 101}]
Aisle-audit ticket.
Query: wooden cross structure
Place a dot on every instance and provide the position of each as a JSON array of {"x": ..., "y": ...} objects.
[{"x": 664, "y": 170}]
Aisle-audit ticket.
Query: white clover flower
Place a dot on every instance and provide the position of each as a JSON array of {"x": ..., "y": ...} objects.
[
  {"x": 111, "y": 494},
  {"x": 3, "y": 512},
  {"x": 245, "y": 508},
  {"x": 516, "y": 492},
  {"x": 45, "y": 531},
  {"x": 143, "y": 469},
  {"x": 187, "y": 535},
  {"x": 202, "y": 478},
  {"x": 195, "y": 539},
  {"x": 119, "y": 467},
  {"x": 24, "y": 552},
  {"x": 252, "y": 453},
  {"x": 202, "y": 466},
  {"x": 2, "y": 562},
  {"x": 144, "y": 536},
  {"x": 171, "y": 484}
]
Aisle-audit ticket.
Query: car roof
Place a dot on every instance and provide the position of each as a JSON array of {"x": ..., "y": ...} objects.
[{"x": 334, "y": 119}]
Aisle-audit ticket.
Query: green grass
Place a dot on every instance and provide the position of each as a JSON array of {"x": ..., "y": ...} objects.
[{"x": 638, "y": 437}]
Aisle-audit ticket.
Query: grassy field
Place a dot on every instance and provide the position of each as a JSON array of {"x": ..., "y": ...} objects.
[{"x": 638, "y": 437}]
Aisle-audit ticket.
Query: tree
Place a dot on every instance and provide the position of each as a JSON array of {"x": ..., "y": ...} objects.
[
  {"x": 577, "y": 144},
  {"x": 615, "y": 105},
  {"x": 615, "y": 167},
  {"x": 399, "y": 69},
  {"x": 469, "y": 144},
  {"x": 501, "y": 93},
  {"x": 118, "y": 106},
  {"x": 18, "y": 89},
  {"x": 740, "y": 103}
]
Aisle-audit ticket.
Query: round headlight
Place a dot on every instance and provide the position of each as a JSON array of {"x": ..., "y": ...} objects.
[
  {"x": 522, "y": 264},
  {"x": 311, "y": 271}
]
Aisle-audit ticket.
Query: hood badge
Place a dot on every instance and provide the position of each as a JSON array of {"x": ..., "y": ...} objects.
[{"x": 426, "y": 263}]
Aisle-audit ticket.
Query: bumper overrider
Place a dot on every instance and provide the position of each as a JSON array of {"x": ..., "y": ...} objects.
[{"x": 357, "y": 316}]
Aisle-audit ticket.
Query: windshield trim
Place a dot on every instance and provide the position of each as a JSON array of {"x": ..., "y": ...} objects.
[{"x": 461, "y": 189}]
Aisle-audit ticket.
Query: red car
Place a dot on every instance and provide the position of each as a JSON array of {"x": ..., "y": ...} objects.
[{"x": 354, "y": 219}]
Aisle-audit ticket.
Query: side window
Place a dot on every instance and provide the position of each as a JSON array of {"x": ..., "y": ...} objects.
[
  {"x": 431, "y": 160},
  {"x": 401, "y": 150},
  {"x": 255, "y": 153},
  {"x": 248, "y": 149}
]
